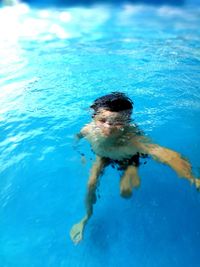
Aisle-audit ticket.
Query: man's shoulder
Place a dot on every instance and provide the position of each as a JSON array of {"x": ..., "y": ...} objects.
[{"x": 87, "y": 129}]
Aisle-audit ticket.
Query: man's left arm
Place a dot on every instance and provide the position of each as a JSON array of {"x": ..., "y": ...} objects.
[{"x": 169, "y": 157}]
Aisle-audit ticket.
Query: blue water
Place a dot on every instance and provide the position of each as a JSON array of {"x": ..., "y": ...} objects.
[{"x": 54, "y": 63}]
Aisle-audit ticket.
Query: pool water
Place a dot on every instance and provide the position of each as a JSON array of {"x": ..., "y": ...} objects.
[{"x": 54, "y": 63}]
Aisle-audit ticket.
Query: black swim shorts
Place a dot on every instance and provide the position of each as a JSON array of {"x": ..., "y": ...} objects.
[{"x": 124, "y": 163}]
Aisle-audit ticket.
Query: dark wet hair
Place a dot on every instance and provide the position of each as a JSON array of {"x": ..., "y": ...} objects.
[{"x": 116, "y": 101}]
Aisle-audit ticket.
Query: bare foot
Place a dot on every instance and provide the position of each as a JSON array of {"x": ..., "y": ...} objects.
[{"x": 76, "y": 232}]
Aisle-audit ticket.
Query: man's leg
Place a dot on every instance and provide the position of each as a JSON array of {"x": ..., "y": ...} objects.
[{"x": 129, "y": 180}]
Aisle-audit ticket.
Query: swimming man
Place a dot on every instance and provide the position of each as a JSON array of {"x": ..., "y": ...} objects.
[{"x": 116, "y": 141}]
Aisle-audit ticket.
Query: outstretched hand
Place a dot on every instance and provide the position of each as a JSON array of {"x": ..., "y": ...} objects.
[{"x": 77, "y": 230}]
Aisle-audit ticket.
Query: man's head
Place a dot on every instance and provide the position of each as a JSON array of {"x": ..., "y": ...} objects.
[
  {"x": 114, "y": 102},
  {"x": 112, "y": 112}
]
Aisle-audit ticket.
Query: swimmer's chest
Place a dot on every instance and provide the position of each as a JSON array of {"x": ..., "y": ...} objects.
[
  {"x": 113, "y": 150},
  {"x": 115, "y": 147}
]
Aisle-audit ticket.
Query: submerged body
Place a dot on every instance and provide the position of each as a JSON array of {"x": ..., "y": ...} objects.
[{"x": 115, "y": 140}]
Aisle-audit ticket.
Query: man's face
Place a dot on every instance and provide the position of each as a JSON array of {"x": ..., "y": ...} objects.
[{"x": 111, "y": 122}]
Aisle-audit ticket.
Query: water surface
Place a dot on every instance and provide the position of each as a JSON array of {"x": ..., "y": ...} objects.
[{"x": 54, "y": 63}]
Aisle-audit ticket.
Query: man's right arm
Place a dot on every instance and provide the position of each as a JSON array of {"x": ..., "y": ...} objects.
[{"x": 83, "y": 132}]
